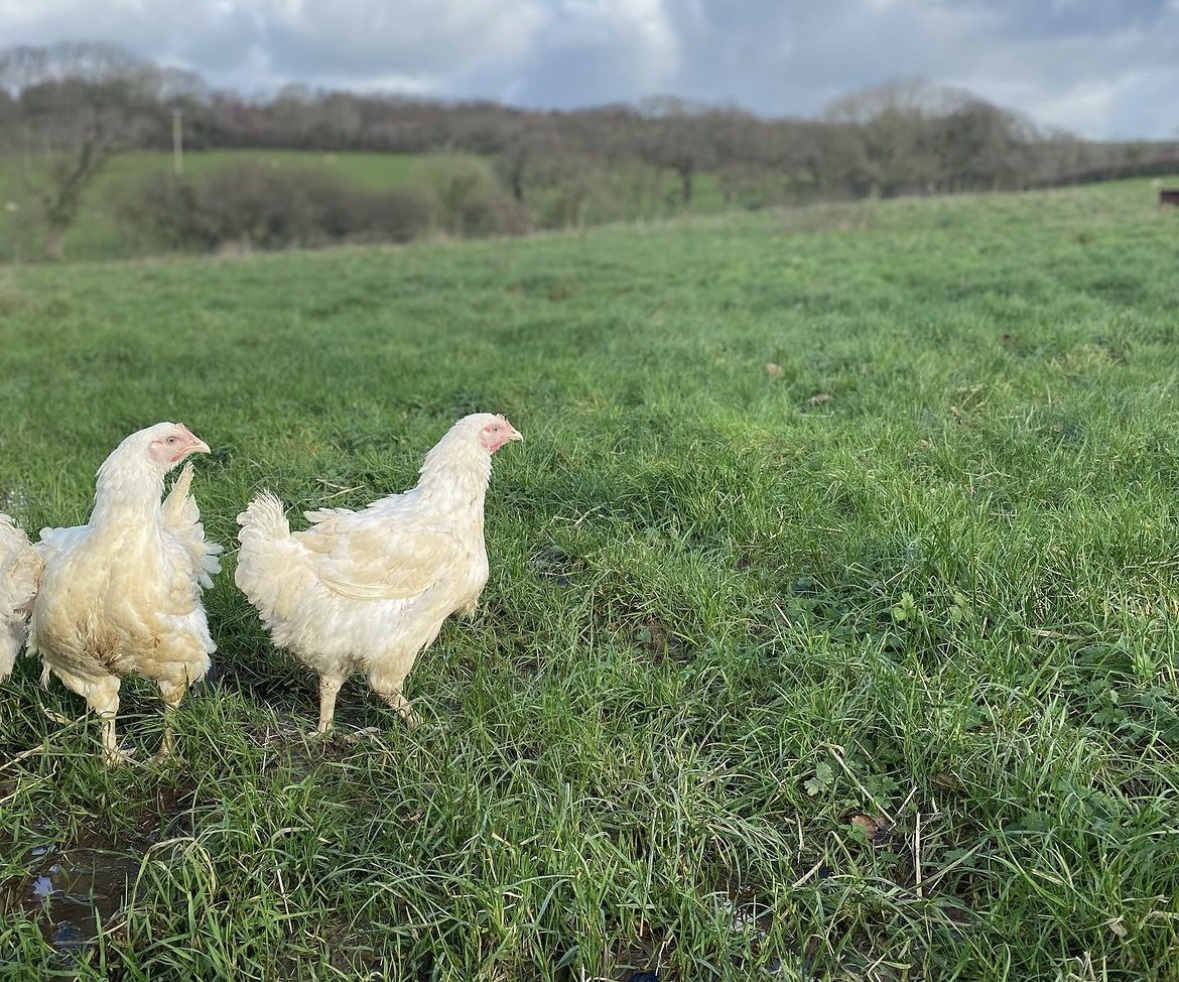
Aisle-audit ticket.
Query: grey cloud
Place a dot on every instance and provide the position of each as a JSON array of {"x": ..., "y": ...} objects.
[
  {"x": 1099, "y": 67},
  {"x": 371, "y": 37}
]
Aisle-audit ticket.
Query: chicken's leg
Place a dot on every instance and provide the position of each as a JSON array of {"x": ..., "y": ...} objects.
[
  {"x": 103, "y": 698},
  {"x": 329, "y": 688},
  {"x": 397, "y": 701},
  {"x": 171, "y": 693}
]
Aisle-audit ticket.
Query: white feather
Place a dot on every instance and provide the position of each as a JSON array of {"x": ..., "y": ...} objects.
[
  {"x": 366, "y": 591},
  {"x": 20, "y": 569},
  {"x": 122, "y": 593}
]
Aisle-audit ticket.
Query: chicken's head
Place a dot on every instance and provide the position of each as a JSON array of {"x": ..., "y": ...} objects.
[
  {"x": 494, "y": 431},
  {"x": 167, "y": 444},
  {"x": 138, "y": 465}
]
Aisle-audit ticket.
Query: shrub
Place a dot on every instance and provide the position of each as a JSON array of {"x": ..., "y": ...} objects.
[
  {"x": 469, "y": 199},
  {"x": 256, "y": 206},
  {"x": 166, "y": 213},
  {"x": 398, "y": 215}
]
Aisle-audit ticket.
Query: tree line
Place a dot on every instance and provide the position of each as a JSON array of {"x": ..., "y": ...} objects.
[{"x": 66, "y": 110}]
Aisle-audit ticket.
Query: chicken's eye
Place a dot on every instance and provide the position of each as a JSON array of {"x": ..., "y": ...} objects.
[{"x": 171, "y": 440}]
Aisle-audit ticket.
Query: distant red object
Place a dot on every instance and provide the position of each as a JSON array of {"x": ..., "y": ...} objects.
[{"x": 1169, "y": 196}]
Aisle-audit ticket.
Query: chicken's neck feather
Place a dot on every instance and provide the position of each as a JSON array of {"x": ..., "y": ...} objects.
[
  {"x": 126, "y": 487},
  {"x": 456, "y": 472}
]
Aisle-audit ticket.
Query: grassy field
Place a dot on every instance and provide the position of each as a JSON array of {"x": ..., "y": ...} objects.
[
  {"x": 831, "y": 629},
  {"x": 100, "y": 234}
]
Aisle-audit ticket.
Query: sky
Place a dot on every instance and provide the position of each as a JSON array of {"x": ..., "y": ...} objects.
[{"x": 1102, "y": 69}]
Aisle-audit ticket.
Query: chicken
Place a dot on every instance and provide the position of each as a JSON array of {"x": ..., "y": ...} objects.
[
  {"x": 367, "y": 591},
  {"x": 20, "y": 567},
  {"x": 122, "y": 593}
]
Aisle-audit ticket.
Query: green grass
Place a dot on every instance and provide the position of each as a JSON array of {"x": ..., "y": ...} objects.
[
  {"x": 622, "y": 193},
  {"x": 98, "y": 233},
  {"x": 861, "y": 668}
]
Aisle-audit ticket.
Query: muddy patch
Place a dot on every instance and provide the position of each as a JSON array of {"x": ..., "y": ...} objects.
[{"x": 74, "y": 889}]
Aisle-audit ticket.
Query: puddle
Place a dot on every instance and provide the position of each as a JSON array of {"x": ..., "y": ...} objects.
[{"x": 71, "y": 892}]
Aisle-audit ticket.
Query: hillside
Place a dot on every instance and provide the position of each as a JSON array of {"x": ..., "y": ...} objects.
[
  {"x": 100, "y": 234},
  {"x": 831, "y": 626}
]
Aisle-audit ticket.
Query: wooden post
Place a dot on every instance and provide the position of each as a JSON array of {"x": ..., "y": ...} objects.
[{"x": 177, "y": 143}]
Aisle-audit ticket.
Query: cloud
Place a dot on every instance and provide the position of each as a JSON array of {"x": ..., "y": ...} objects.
[
  {"x": 362, "y": 38},
  {"x": 262, "y": 45},
  {"x": 1097, "y": 67},
  {"x": 618, "y": 49},
  {"x": 1102, "y": 84}
]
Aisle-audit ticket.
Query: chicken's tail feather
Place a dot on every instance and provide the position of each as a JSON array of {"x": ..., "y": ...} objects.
[
  {"x": 264, "y": 518},
  {"x": 268, "y": 559},
  {"x": 182, "y": 517}
]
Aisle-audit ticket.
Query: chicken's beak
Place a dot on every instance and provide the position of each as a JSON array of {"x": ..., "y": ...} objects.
[{"x": 195, "y": 443}]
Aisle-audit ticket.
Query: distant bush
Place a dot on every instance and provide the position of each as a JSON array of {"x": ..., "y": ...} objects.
[
  {"x": 469, "y": 200},
  {"x": 256, "y": 206},
  {"x": 168, "y": 214},
  {"x": 397, "y": 215}
]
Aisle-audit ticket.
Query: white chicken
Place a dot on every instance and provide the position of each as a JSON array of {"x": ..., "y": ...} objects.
[
  {"x": 122, "y": 593},
  {"x": 367, "y": 591},
  {"x": 19, "y": 569}
]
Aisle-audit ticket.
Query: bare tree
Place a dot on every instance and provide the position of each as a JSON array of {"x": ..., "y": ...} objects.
[
  {"x": 676, "y": 138},
  {"x": 73, "y": 106},
  {"x": 981, "y": 148},
  {"x": 737, "y": 144},
  {"x": 893, "y": 121},
  {"x": 524, "y": 160}
]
